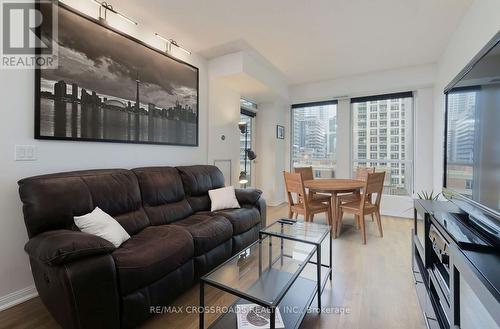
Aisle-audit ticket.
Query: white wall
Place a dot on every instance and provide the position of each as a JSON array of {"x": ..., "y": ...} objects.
[
  {"x": 477, "y": 27},
  {"x": 17, "y": 127},
  {"x": 272, "y": 152},
  {"x": 418, "y": 79},
  {"x": 224, "y": 115},
  {"x": 374, "y": 83},
  {"x": 424, "y": 139}
]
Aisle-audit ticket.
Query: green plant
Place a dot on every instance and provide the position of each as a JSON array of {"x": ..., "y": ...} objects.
[{"x": 428, "y": 196}]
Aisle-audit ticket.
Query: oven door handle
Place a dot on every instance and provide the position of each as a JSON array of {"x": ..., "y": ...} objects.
[
  {"x": 427, "y": 325},
  {"x": 439, "y": 289},
  {"x": 443, "y": 301}
]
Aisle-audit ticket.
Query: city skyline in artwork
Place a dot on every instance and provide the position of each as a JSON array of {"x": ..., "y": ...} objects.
[{"x": 110, "y": 87}]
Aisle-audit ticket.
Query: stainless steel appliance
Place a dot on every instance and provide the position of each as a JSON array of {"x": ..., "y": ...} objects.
[{"x": 439, "y": 273}]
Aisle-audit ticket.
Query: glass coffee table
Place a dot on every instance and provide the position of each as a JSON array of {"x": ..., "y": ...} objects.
[{"x": 275, "y": 274}]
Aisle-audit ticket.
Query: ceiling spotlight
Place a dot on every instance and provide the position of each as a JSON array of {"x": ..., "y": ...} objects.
[
  {"x": 109, "y": 7},
  {"x": 171, "y": 42}
]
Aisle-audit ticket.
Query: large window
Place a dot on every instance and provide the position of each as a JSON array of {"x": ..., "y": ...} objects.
[
  {"x": 314, "y": 136},
  {"x": 394, "y": 155},
  {"x": 247, "y": 115}
]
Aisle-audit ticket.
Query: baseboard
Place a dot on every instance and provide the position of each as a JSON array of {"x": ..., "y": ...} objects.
[
  {"x": 275, "y": 203},
  {"x": 404, "y": 214},
  {"x": 17, "y": 297}
]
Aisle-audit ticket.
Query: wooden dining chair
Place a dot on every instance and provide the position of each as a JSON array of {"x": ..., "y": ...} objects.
[
  {"x": 361, "y": 174},
  {"x": 374, "y": 184},
  {"x": 304, "y": 204},
  {"x": 307, "y": 174}
]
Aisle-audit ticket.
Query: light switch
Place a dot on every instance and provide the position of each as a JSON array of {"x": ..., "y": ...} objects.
[{"x": 25, "y": 153}]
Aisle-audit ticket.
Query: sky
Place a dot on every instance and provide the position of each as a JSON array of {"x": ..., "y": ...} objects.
[{"x": 100, "y": 60}]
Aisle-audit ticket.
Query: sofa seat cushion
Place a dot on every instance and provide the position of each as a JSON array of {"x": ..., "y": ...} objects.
[
  {"x": 242, "y": 219},
  {"x": 150, "y": 255},
  {"x": 207, "y": 231}
]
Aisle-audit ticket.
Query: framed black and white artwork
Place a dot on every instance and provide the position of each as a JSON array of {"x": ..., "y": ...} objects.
[{"x": 109, "y": 86}]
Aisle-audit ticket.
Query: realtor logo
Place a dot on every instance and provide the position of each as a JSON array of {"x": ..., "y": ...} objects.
[{"x": 21, "y": 46}]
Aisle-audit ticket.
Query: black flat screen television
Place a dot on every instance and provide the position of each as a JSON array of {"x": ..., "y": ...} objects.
[{"x": 472, "y": 139}]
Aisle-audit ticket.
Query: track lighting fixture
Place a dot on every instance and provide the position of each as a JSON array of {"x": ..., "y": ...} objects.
[
  {"x": 107, "y": 7},
  {"x": 170, "y": 43}
]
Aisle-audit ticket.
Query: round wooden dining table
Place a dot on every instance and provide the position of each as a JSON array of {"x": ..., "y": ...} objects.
[{"x": 334, "y": 186}]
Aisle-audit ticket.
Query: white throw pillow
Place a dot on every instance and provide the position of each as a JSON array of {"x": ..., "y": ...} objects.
[
  {"x": 223, "y": 198},
  {"x": 103, "y": 225}
]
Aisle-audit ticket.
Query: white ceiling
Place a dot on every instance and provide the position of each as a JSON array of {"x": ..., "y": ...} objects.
[{"x": 308, "y": 40}]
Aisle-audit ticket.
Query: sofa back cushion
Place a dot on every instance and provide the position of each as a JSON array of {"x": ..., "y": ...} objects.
[
  {"x": 197, "y": 181},
  {"x": 163, "y": 195},
  {"x": 51, "y": 201}
]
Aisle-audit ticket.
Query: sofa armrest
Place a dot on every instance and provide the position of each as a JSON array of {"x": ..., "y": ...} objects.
[
  {"x": 253, "y": 196},
  {"x": 80, "y": 294},
  {"x": 64, "y": 246},
  {"x": 261, "y": 204},
  {"x": 248, "y": 195}
]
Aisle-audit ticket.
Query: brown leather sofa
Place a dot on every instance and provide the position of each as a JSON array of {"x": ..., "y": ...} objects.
[{"x": 86, "y": 282}]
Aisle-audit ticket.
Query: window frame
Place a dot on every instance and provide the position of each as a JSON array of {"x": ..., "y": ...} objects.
[
  {"x": 251, "y": 168},
  {"x": 407, "y": 165}
]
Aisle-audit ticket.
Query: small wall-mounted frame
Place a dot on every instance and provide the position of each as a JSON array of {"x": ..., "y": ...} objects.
[{"x": 280, "y": 132}]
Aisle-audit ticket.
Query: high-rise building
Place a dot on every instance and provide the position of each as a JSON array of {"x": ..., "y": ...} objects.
[
  {"x": 331, "y": 135},
  {"x": 461, "y": 112},
  {"x": 314, "y": 138},
  {"x": 60, "y": 90},
  {"x": 310, "y": 133},
  {"x": 465, "y": 139},
  {"x": 315, "y": 142},
  {"x": 381, "y": 137}
]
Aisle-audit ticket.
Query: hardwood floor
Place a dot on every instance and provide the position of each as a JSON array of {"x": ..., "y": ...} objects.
[
  {"x": 30, "y": 314},
  {"x": 373, "y": 282}
]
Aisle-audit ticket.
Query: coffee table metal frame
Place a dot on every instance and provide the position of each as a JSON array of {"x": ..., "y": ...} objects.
[{"x": 271, "y": 306}]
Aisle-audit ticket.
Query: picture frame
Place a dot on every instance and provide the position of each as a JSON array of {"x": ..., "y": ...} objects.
[
  {"x": 142, "y": 95},
  {"x": 280, "y": 132}
]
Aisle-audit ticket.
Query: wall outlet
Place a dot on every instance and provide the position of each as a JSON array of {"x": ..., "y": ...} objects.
[{"x": 25, "y": 153}]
